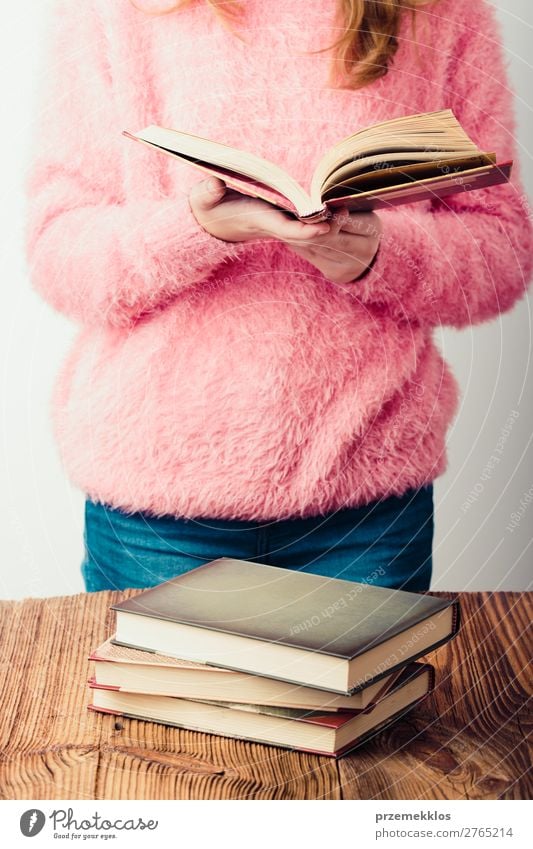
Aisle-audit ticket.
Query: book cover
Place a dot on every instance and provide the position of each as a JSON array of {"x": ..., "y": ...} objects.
[{"x": 298, "y": 609}]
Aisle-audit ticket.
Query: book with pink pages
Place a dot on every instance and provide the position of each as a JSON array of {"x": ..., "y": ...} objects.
[{"x": 321, "y": 732}]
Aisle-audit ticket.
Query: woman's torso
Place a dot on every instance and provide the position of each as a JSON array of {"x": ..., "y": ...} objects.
[{"x": 267, "y": 391}]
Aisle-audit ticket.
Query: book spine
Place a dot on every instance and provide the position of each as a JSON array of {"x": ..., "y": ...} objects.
[{"x": 317, "y": 216}]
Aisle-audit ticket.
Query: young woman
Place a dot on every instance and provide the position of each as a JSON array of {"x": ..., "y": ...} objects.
[{"x": 243, "y": 384}]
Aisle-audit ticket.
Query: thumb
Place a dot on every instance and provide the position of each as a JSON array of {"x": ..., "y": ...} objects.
[{"x": 208, "y": 193}]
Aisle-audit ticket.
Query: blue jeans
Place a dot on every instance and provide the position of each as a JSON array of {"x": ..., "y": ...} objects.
[{"x": 387, "y": 542}]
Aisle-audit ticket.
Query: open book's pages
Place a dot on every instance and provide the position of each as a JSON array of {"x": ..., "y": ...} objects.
[{"x": 361, "y": 171}]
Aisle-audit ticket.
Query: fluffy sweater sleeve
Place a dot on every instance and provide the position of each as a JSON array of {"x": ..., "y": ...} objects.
[
  {"x": 95, "y": 254},
  {"x": 468, "y": 258}
]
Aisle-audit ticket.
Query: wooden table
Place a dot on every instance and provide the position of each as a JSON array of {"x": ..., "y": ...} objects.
[{"x": 467, "y": 741}]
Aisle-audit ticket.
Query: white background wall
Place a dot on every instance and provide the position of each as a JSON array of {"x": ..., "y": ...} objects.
[{"x": 41, "y": 514}]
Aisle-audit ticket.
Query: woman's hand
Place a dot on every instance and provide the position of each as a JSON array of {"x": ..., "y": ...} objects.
[
  {"x": 341, "y": 248},
  {"x": 344, "y": 254},
  {"x": 234, "y": 217}
]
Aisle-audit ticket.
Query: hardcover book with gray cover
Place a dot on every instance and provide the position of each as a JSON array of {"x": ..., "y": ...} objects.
[{"x": 322, "y": 632}]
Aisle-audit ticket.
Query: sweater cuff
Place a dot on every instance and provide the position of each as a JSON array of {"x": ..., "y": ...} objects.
[
  {"x": 370, "y": 265},
  {"x": 171, "y": 234},
  {"x": 397, "y": 276}
]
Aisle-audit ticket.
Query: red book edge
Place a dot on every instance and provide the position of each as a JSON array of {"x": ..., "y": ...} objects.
[
  {"x": 350, "y": 747},
  {"x": 92, "y": 682},
  {"x": 387, "y": 686},
  {"x": 328, "y": 720}
]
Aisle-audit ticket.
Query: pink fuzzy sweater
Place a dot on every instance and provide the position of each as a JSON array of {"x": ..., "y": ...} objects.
[{"x": 216, "y": 379}]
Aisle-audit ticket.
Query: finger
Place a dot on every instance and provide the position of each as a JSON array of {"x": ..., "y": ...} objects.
[
  {"x": 338, "y": 219},
  {"x": 298, "y": 248},
  {"x": 207, "y": 193},
  {"x": 339, "y": 245},
  {"x": 363, "y": 224},
  {"x": 287, "y": 229}
]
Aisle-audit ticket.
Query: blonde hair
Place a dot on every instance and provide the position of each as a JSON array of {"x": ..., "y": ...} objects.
[{"x": 361, "y": 55}]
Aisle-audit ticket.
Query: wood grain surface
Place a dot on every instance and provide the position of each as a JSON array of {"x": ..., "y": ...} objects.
[{"x": 469, "y": 740}]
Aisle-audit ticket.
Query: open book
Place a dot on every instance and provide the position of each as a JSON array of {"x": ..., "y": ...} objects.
[{"x": 400, "y": 161}]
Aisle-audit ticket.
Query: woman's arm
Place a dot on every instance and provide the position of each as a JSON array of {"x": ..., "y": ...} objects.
[
  {"x": 93, "y": 254},
  {"x": 468, "y": 258}
]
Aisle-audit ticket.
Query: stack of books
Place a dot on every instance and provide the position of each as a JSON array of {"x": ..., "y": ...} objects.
[{"x": 242, "y": 649}]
